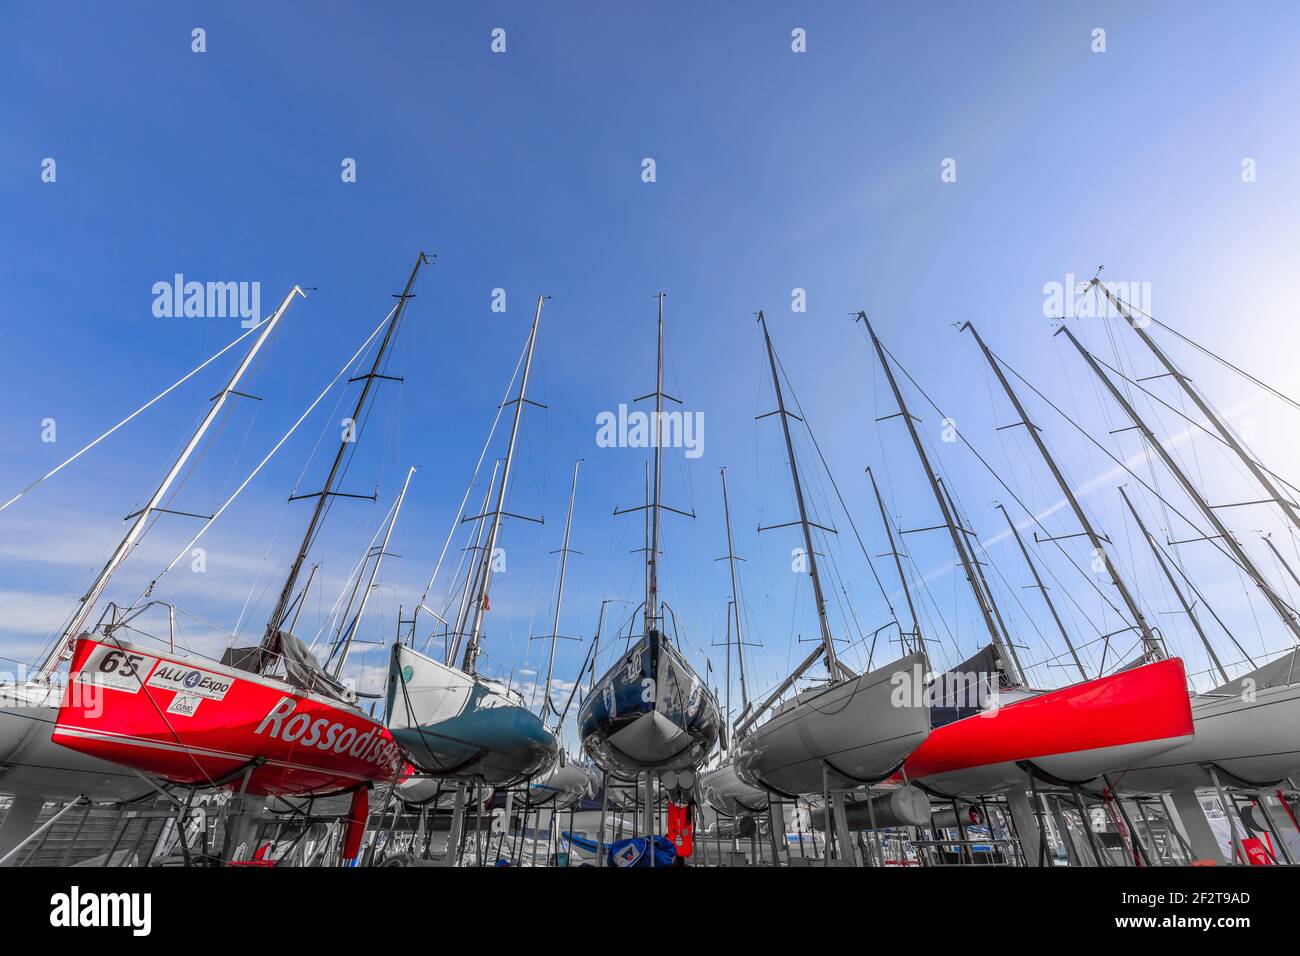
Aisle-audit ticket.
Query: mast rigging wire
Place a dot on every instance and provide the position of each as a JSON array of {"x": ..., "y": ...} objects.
[
  {"x": 1004, "y": 485},
  {"x": 1191, "y": 524},
  {"x": 826, "y": 468},
  {"x": 235, "y": 494},
  {"x": 460, "y": 511},
  {"x": 1218, "y": 358},
  {"x": 184, "y": 378},
  {"x": 1191, "y": 421}
]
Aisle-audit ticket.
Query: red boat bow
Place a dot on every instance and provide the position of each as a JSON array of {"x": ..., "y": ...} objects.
[{"x": 1074, "y": 733}]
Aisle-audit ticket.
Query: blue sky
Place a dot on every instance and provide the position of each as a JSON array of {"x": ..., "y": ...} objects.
[{"x": 775, "y": 171}]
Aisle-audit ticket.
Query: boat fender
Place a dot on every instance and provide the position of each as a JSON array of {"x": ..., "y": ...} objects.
[
  {"x": 970, "y": 815},
  {"x": 904, "y": 807}
]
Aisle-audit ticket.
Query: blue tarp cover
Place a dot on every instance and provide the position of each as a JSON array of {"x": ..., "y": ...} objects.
[{"x": 630, "y": 852}]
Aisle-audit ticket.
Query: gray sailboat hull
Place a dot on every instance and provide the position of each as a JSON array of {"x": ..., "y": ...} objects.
[
  {"x": 726, "y": 793},
  {"x": 1250, "y": 743},
  {"x": 566, "y": 784},
  {"x": 849, "y": 734}
]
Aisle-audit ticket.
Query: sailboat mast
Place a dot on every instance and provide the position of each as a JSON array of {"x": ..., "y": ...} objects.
[
  {"x": 1220, "y": 529},
  {"x": 471, "y": 575},
  {"x": 1151, "y": 644},
  {"x": 733, "y": 613},
  {"x": 276, "y": 620},
  {"x": 978, "y": 565},
  {"x": 735, "y": 605},
  {"x": 652, "y": 591},
  {"x": 1042, "y": 589},
  {"x": 63, "y": 647},
  {"x": 727, "y": 675},
  {"x": 1281, "y": 560},
  {"x": 485, "y": 572},
  {"x": 646, "y": 549},
  {"x": 595, "y": 645},
  {"x": 1230, "y": 438},
  {"x": 898, "y": 562},
  {"x": 301, "y": 599},
  {"x": 345, "y": 645},
  {"x": 958, "y": 543},
  {"x": 832, "y": 659},
  {"x": 1178, "y": 592},
  {"x": 559, "y": 591}
]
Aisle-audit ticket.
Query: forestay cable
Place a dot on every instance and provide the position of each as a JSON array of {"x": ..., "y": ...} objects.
[{"x": 175, "y": 385}]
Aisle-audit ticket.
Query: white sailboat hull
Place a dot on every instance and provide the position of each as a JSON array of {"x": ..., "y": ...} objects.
[
  {"x": 422, "y": 791},
  {"x": 726, "y": 793},
  {"x": 1250, "y": 743},
  {"x": 564, "y": 786},
  {"x": 849, "y": 734},
  {"x": 462, "y": 726}
]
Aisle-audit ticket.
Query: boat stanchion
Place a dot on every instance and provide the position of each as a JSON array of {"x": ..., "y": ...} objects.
[
  {"x": 961, "y": 832},
  {"x": 1151, "y": 834},
  {"x": 1040, "y": 821},
  {"x": 1261, "y": 801},
  {"x": 568, "y": 855},
  {"x": 241, "y": 815},
  {"x": 600, "y": 831},
  {"x": 875, "y": 832},
  {"x": 383, "y": 814},
  {"x": 523, "y": 822},
  {"x": 452, "y": 858},
  {"x": 775, "y": 820},
  {"x": 1186, "y": 810},
  {"x": 1086, "y": 819},
  {"x": 1139, "y": 851},
  {"x": 421, "y": 834},
  {"x": 1175, "y": 828},
  {"x": 848, "y": 852},
  {"x": 829, "y": 832},
  {"x": 1028, "y": 825},
  {"x": 479, "y": 800},
  {"x": 428, "y": 834},
  {"x": 182, "y": 824},
  {"x": 1229, "y": 811},
  {"x": 1072, "y": 854}
]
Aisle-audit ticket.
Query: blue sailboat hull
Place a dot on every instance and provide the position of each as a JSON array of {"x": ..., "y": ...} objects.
[{"x": 650, "y": 712}]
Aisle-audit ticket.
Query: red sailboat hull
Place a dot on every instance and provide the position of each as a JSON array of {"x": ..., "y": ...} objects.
[
  {"x": 206, "y": 724},
  {"x": 1072, "y": 735}
]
